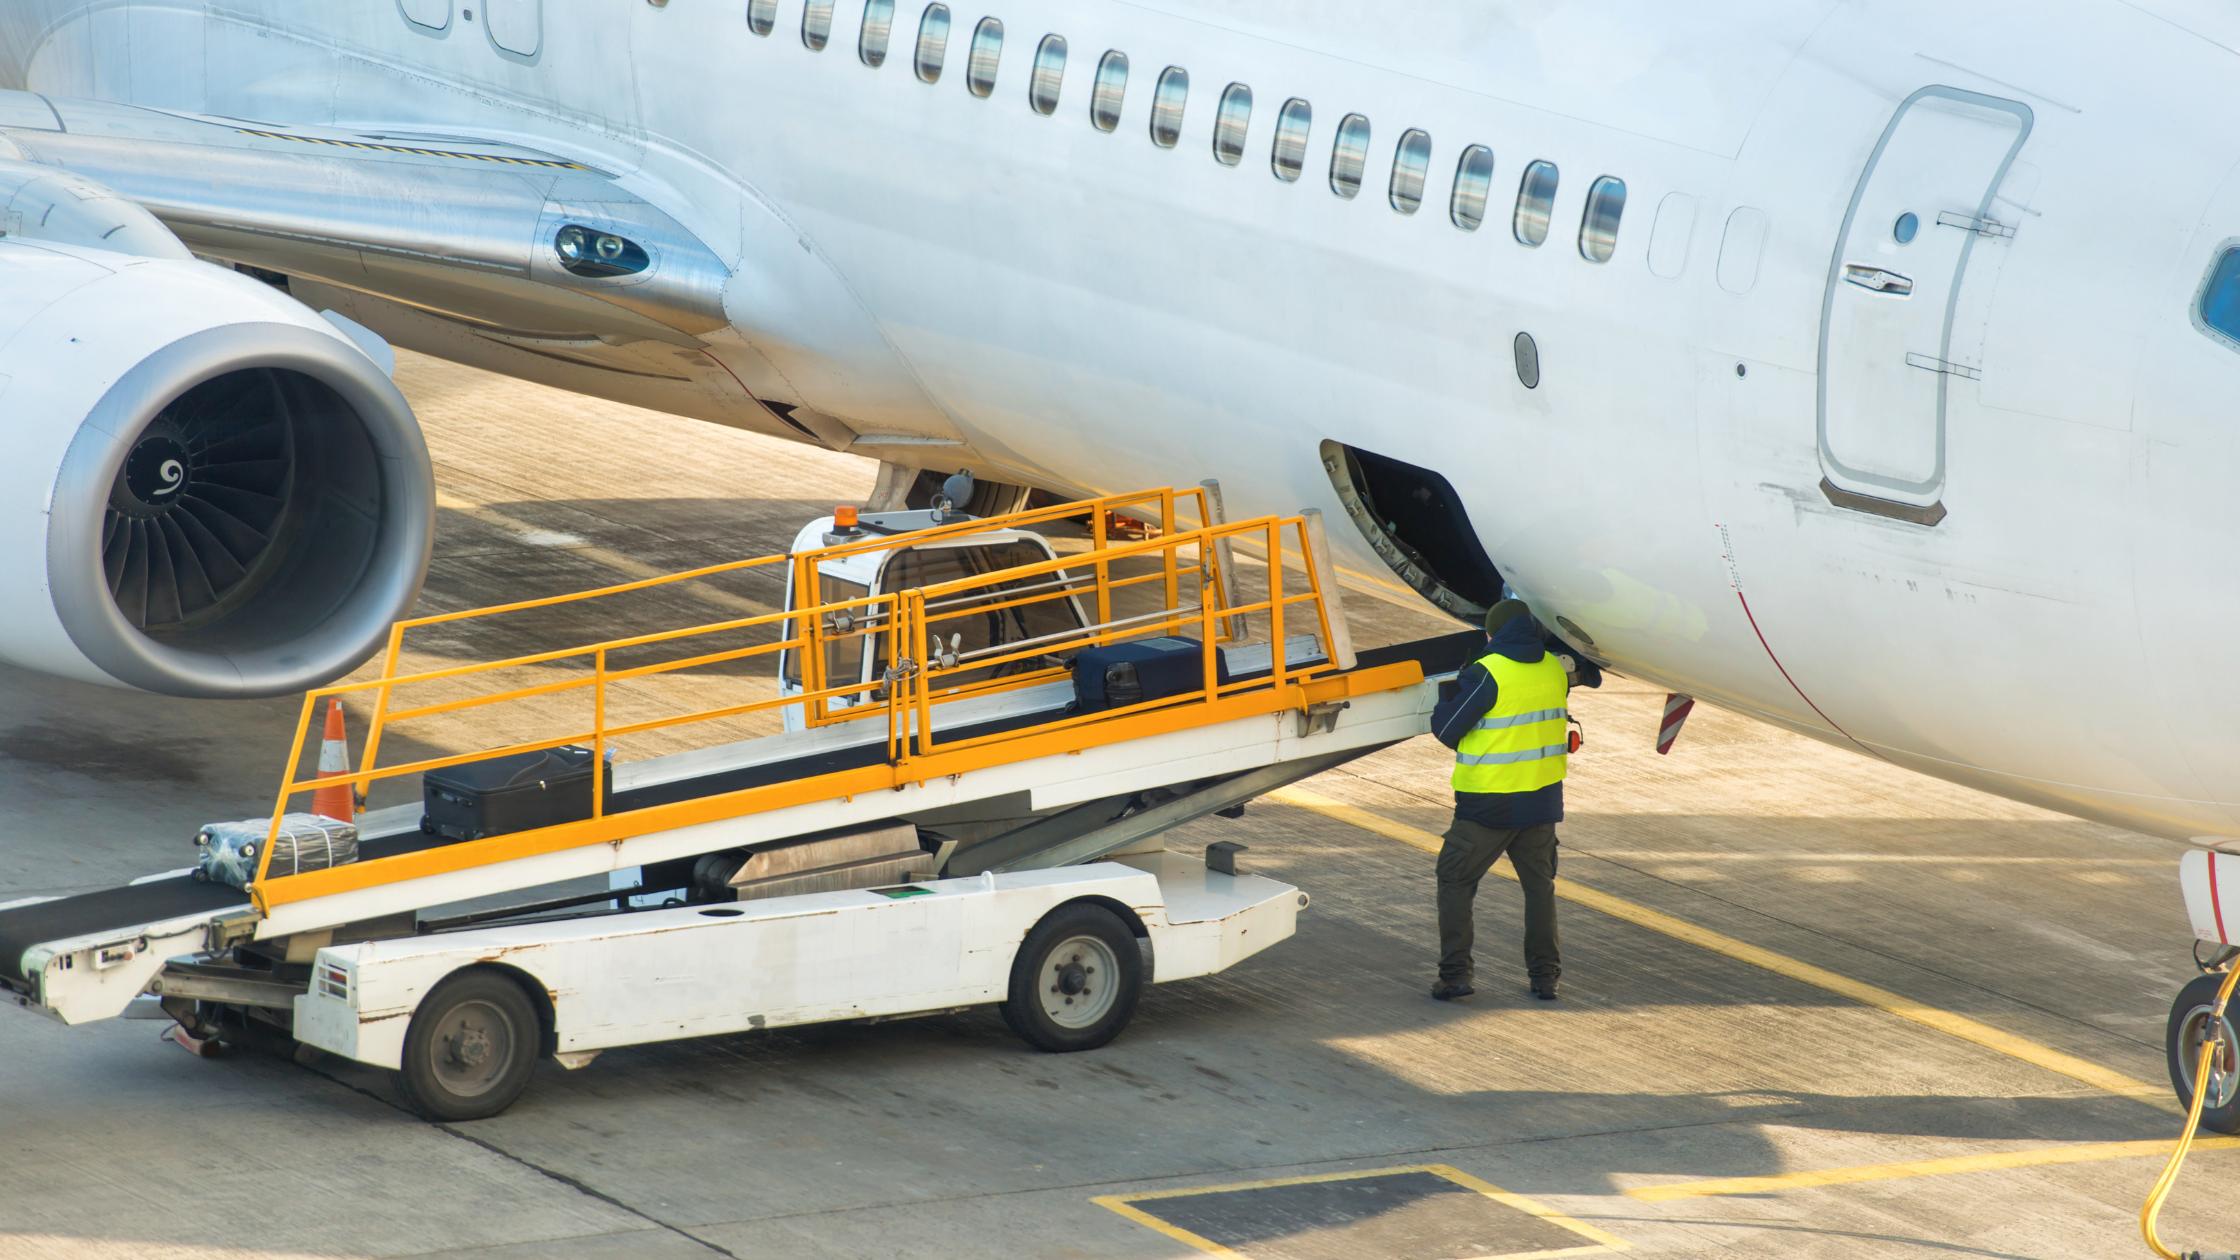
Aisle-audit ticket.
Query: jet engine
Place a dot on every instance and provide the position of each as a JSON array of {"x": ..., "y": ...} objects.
[{"x": 209, "y": 490}]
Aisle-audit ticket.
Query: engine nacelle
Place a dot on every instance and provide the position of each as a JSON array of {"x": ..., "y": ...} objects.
[{"x": 207, "y": 491}]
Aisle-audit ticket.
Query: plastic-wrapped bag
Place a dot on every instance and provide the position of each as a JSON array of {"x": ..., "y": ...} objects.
[{"x": 226, "y": 852}]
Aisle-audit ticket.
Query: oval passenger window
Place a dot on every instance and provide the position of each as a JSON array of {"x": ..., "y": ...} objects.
[
  {"x": 1349, "y": 156},
  {"x": 1290, "y": 154},
  {"x": 1598, "y": 227},
  {"x": 1167, "y": 101},
  {"x": 987, "y": 50},
  {"x": 1231, "y": 122},
  {"x": 1411, "y": 161},
  {"x": 933, "y": 42},
  {"x": 816, "y": 24},
  {"x": 878, "y": 23},
  {"x": 1049, "y": 74},
  {"x": 1110, "y": 88},
  {"x": 1536, "y": 199},
  {"x": 1473, "y": 179}
]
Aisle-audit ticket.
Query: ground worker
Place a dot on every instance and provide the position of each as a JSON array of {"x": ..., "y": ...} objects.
[{"x": 1510, "y": 730}]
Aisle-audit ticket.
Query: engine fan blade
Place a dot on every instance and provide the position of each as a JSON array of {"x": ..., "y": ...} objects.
[
  {"x": 131, "y": 585},
  {"x": 221, "y": 564},
  {"x": 257, "y": 511},
  {"x": 163, "y": 580},
  {"x": 192, "y": 583},
  {"x": 240, "y": 540}
]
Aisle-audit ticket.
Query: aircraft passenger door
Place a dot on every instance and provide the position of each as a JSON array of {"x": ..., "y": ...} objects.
[{"x": 1923, "y": 206}]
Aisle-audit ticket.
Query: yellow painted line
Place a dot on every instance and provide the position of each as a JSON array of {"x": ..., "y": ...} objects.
[
  {"x": 1925, "y": 1168},
  {"x": 1602, "y": 1242},
  {"x": 1148, "y": 1221},
  {"x": 1943, "y": 1021}
]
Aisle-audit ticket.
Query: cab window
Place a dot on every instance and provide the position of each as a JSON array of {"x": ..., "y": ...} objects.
[
  {"x": 843, "y": 657},
  {"x": 961, "y": 618}
]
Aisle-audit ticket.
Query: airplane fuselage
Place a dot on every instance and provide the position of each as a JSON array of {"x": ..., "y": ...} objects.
[{"x": 1977, "y": 527}]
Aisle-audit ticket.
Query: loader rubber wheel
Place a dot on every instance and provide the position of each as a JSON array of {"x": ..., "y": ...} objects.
[
  {"x": 470, "y": 1049},
  {"x": 2189, "y": 1023},
  {"x": 1075, "y": 980}
]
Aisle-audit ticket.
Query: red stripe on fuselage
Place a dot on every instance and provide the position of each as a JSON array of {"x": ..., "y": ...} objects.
[
  {"x": 1793, "y": 682},
  {"x": 2216, "y": 904}
]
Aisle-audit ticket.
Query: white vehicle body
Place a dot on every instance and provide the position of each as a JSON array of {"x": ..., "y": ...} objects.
[
  {"x": 1976, "y": 523},
  {"x": 691, "y": 971}
]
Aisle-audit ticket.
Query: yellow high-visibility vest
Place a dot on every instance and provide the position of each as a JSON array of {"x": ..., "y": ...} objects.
[{"x": 1520, "y": 745}]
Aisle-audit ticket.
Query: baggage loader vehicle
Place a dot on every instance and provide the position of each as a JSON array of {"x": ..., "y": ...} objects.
[{"x": 941, "y": 822}]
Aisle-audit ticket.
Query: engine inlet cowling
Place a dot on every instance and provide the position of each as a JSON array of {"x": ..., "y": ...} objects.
[{"x": 239, "y": 501}]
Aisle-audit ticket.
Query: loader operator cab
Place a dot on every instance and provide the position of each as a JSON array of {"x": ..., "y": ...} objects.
[{"x": 964, "y": 628}]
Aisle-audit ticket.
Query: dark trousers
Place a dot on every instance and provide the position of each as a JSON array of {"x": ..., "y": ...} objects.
[{"x": 1464, "y": 860}]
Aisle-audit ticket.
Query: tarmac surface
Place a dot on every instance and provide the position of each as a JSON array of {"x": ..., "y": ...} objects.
[{"x": 1928, "y": 1020}]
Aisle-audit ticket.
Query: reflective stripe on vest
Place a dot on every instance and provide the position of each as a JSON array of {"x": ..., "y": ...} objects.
[
  {"x": 1520, "y": 719},
  {"x": 1510, "y": 758},
  {"x": 1521, "y": 744}
]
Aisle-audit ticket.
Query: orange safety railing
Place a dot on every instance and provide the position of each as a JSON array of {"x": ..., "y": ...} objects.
[{"x": 900, "y": 628}]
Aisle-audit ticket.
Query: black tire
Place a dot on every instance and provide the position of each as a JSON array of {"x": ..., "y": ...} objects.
[
  {"x": 471, "y": 1048},
  {"x": 1075, "y": 980},
  {"x": 2189, "y": 1018}
]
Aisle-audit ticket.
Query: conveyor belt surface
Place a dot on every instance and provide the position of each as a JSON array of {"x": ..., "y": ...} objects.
[{"x": 119, "y": 909}]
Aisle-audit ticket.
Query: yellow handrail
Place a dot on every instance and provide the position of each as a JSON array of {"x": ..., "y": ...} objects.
[{"x": 901, "y": 619}]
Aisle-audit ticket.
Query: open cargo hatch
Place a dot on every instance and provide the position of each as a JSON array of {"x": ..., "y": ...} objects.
[{"x": 1416, "y": 523}]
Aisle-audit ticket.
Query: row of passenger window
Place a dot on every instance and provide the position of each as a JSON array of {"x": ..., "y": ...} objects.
[{"x": 1349, "y": 151}]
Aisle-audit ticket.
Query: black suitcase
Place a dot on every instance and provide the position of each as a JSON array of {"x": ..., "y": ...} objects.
[
  {"x": 1121, "y": 674},
  {"x": 517, "y": 793}
]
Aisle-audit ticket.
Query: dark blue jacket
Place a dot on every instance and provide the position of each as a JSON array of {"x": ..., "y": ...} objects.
[{"x": 1521, "y": 640}]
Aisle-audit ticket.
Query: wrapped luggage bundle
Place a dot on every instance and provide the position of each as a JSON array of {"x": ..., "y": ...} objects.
[{"x": 226, "y": 852}]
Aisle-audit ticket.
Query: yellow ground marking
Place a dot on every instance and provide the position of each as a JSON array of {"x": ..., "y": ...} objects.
[
  {"x": 1943, "y": 1021},
  {"x": 1925, "y": 1168},
  {"x": 1603, "y": 1242},
  {"x": 1657, "y": 855}
]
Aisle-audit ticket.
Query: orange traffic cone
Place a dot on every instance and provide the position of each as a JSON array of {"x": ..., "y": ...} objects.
[{"x": 339, "y": 800}]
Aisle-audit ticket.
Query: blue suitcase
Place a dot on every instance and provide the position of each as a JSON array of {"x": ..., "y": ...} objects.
[{"x": 1121, "y": 674}]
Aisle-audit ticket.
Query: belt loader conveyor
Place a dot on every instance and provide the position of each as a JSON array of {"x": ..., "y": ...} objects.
[{"x": 1017, "y": 799}]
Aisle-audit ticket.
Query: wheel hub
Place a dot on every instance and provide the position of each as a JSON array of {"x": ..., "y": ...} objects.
[
  {"x": 1074, "y": 981},
  {"x": 473, "y": 1045},
  {"x": 471, "y": 1048},
  {"x": 2223, "y": 1081},
  {"x": 1073, "y": 978}
]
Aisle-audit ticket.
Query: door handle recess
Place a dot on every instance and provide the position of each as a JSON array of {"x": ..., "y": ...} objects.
[
  {"x": 1970, "y": 223},
  {"x": 1876, "y": 280},
  {"x": 1931, "y": 363}
]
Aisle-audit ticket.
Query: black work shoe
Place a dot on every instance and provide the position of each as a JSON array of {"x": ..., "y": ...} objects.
[
  {"x": 1545, "y": 990},
  {"x": 1449, "y": 990}
]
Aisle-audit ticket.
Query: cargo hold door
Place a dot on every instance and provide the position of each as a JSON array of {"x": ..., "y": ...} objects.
[{"x": 1923, "y": 205}]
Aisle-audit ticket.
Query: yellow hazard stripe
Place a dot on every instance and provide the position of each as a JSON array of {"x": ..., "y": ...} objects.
[
  {"x": 2083, "y": 1154},
  {"x": 1819, "y": 977},
  {"x": 399, "y": 148}
]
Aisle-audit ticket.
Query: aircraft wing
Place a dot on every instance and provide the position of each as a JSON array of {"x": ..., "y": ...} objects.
[{"x": 460, "y": 227}]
